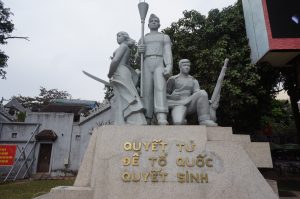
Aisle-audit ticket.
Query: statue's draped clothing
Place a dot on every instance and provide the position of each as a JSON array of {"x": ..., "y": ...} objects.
[{"x": 128, "y": 106}]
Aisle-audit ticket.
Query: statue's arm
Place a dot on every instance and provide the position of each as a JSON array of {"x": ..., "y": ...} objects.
[
  {"x": 170, "y": 89},
  {"x": 167, "y": 54},
  {"x": 116, "y": 59},
  {"x": 170, "y": 85},
  {"x": 196, "y": 87}
]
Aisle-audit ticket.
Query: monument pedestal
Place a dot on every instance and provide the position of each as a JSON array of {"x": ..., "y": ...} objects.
[{"x": 170, "y": 162}]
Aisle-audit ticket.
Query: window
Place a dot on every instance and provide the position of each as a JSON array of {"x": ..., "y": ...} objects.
[
  {"x": 14, "y": 135},
  {"x": 284, "y": 18}
]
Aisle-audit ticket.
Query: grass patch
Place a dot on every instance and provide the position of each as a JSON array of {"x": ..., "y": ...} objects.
[{"x": 30, "y": 189}]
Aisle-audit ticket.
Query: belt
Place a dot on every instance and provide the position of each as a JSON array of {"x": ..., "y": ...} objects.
[{"x": 153, "y": 56}]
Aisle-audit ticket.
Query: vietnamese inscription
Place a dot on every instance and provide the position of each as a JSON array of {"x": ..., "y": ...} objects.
[{"x": 156, "y": 161}]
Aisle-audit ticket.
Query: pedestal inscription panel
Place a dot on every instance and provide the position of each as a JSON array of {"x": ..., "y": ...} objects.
[{"x": 168, "y": 162}]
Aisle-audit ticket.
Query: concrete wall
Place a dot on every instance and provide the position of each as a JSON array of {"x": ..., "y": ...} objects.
[
  {"x": 256, "y": 29},
  {"x": 61, "y": 124},
  {"x": 69, "y": 147},
  {"x": 82, "y": 133}
]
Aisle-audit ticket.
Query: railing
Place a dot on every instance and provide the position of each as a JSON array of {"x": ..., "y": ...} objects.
[{"x": 23, "y": 152}]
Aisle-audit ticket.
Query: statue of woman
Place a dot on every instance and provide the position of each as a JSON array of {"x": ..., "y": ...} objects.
[{"x": 128, "y": 108}]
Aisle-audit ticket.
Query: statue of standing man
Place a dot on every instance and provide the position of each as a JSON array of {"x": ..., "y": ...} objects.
[{"x": 158, "y": 65}]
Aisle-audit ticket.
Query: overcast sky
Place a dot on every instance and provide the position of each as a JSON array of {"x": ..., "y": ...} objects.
[{"x": 68, "y": 36}]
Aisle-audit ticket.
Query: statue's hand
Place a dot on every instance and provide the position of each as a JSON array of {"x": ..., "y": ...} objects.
[
  {"x": 141, "y": 48},
  {"x": 138, "y": 71},
  {"x": 109, "y": 75},
  {"x": 175, "y": 97},
  {"x": 167, "y": 72}
]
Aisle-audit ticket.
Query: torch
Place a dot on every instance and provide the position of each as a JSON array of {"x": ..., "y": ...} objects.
[{"x": 143, "y": 9}]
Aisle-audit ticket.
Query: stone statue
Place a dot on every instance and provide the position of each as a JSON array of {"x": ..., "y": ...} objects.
[
  {"x": 158, "y": 64},
  {"x": 128, "y": 106},
  {"x": 185, "y": 97}
]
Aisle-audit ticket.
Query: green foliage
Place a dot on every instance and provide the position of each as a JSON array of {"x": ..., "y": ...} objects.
[
  {"x": 6, "y": 27},
  {"x": 44, "y": 98},
  {"x": 279, "y": 118},
  {"x": 290, "y": 84},
  {"x": 21, "y": 116},
  {"x": 248, "y": 89},
  {"x": 108, "y": 92}
]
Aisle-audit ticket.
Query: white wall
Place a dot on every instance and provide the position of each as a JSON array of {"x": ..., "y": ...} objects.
[
  {"x": 71, "y": 143},
  {"x": 61, "y": 124}
]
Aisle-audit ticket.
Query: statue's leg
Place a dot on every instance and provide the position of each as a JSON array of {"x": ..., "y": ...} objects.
[
  {"x": 160, "y": 99},
  {"x": 148, "y": 89},
  {"x": 200, "y": 103},
  {"x": 137, "y": 118},
  {"x": 160, "y": 91},
  {"x": 178, "y": 115}
]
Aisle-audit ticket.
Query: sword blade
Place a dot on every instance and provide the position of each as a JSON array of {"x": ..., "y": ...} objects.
[{"x": 96, "y": 78}]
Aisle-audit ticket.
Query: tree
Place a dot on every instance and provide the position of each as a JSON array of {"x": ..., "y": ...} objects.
[
  {"x": 46, "y": 96},
  {"x": 42, "y": 99},
  {"x": 292, "y": 86},
  {"x": 280, "y": 117},
  {"x": 248, "y": 89},
  {"x": 6, "y": 27}
]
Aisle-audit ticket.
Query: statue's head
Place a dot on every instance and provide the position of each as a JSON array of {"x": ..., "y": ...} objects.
[
  {"x": 184, "y": 66},
  {"x": 154, "y": 22},
  {"x": 123, "y": 36}
]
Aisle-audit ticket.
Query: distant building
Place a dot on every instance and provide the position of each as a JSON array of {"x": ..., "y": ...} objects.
[
  {"x": 5, "y": 116},
  {"x": 14, "y": 108},
  {"x": 56, "y": 138}
]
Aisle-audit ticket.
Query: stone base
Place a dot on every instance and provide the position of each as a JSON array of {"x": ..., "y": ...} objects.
[{"x": 200, "y": 163}]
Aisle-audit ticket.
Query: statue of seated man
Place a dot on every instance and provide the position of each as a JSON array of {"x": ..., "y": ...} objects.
[{"x": 185, "y": 97}]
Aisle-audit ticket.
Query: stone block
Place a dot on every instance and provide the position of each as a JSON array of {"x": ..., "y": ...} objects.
[
  {"x": 273, "y": 184},
  {"x": 260, "y": 154},
  {"x": 241, "y": 138},
  {"x": 219, "y": 133},
  {"x": 173, "y": 162},
  {"x": 66, "y": 192},
  {"x": 85, "y": 171}
]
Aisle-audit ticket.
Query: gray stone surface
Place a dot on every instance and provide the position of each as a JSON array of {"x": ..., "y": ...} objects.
[
  {"x": 241, "y": 178},
  {"x": 273, "y": 184},
  {"x": 241, "y": 138},
  {"x": 219, "y": 133},
  {"x": 260, "y": 154},
  {"x": 70, "y": 192},
  {"x": 233, "y": 174},
  {"x": 84, "y": 174}
]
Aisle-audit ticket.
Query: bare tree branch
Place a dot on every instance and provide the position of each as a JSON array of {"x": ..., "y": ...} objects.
[{"x": 26, "y": 38}]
